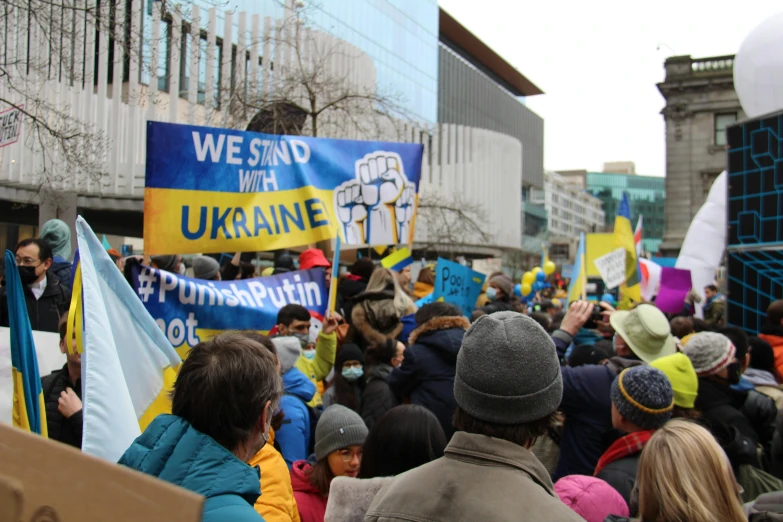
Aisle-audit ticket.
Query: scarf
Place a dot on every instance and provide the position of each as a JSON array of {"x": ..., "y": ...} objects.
[
  {"x": 712, "y": 299},
  {"x": 623, "y": 447}
]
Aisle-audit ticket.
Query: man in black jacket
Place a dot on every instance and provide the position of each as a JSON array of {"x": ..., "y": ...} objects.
[
  {"x": 46, "y": 298},
  {"x": 62, "y": 391}
]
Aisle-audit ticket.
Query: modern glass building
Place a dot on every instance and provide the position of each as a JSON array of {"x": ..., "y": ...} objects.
[
  {"x": 400, "y": 36},
  {"x": 646, "y": 194}
]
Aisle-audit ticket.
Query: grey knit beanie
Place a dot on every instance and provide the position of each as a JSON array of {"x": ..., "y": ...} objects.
[
  {"x": 288, "y": 351},
  {"x": 164, "y": 262},
  {"x": 205, "y": 267},
  {"x": 507, "y": 370},
  {"x": 709, "y": 352},
  {"x": 505, "y": 283},
  {"x": 338, "y": 428},
  {"x": 643, "y": 395}
]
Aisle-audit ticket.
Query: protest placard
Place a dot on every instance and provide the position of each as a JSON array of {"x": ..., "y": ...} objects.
[
  {"x": 675, "y": 285},
  {"x": 612, "y": 268},
  {"x": 458, "y": 285},
  {"x": 210, "y": 190},
  {"x": 192, "y": 310}
]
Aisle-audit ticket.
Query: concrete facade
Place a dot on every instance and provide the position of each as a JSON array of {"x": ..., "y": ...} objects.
[{"x": 700, "y": 101}]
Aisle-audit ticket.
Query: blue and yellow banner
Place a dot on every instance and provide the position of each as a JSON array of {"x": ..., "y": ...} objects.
[
  {"x": 398, "y": 260},
  {"x": 189, "y": 310},
  {"x": 29, "y": 410},
  {"x": 210, "y": 190}
]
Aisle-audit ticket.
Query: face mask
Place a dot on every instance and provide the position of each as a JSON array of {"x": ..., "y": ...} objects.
[
  {"x": 309, "y": 354},
  {"x": 492, "y": 294},
  {"x": 183, "y": 270},
  {"x": 304, "y": 339},
  {"x": 352, "y": 374},
  {"x": 735, "y": 372},
  {"x": 27, "y": 274}
]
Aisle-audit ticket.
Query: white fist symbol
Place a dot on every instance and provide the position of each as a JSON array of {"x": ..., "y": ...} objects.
[{"x": 376, "y": 207}]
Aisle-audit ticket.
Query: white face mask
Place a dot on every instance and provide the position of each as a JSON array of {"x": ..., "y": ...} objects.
[{"x": 182, "y": 269}]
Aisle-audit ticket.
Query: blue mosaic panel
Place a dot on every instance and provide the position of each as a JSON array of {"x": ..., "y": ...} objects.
[
  {"x": 755, "y": 279},
  {"x": 755, "y": 191}
]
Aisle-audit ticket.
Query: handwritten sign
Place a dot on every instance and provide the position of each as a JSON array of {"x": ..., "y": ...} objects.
[
  {"x": 612, "y": 268},
  {"x": 458, "y": 285}
]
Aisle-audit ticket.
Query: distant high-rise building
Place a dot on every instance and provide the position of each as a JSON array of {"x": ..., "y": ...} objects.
[
  {"x": 620, "y": 167},
  {"x": 700, "y": 103}
]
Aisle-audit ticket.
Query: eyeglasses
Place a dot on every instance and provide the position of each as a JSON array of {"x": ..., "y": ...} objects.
[
  {"x": 26, "y": 261},
  {"x": 347, "y": 454}
]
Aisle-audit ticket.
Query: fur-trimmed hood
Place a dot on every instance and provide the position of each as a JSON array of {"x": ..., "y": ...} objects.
[
  {"x": 438, "y": 323},
  {"x": 350, "y": 498},
  {"x": 384, "y": 323}
]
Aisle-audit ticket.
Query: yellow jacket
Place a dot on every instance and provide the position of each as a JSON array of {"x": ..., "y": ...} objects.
[
  {"x": 276, "y": 503},
  {"x": 320, "y": 367}
]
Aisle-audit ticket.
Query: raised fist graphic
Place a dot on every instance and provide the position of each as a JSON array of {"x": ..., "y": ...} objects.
[{"x": 376, "y": 208}]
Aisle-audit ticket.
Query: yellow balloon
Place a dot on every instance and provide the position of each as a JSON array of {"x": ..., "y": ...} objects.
[
  {"x": 528, "y": 278},
  {"x": 526, "y": 288},
  {"x": 536, "y": 270},
  {"x": 549, "y": 268}
]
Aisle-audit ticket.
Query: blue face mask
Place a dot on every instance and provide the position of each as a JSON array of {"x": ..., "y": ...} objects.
[
  {"x": 492, "y": 293},
  {"x": 353, "y": 373},
  {"x": 309, "y": 354}
]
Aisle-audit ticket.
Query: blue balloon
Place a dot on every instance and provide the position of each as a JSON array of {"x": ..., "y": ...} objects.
[
  {"x": 537, "y": 285},
  {"x": 518, "y": 290},
  {"x": 541, "y": 277},
  {"x": 608, "y": 298}
]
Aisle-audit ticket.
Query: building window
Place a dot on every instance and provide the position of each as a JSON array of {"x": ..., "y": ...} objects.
[{"x": 721, "y": 122}]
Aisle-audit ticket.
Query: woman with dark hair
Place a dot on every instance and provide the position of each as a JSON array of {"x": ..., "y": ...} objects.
[
  {"x": 405, "y": 438},
  {"x": 347, "y": 386},
  {"x": 339, "y": 438},
  {"x": 378, "y": 397}
]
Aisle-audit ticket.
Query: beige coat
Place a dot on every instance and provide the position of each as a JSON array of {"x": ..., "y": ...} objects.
[{"x": 479, "y": 478}]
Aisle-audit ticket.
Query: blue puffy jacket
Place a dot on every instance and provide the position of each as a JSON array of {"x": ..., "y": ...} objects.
[
  {"x": 172, "y": 450},
  {"x": 62, "y": 269},
  {"x": 426, "y": 375},
  {"x": 587, "y": 406},
  {"x": 293, "y": 437}
]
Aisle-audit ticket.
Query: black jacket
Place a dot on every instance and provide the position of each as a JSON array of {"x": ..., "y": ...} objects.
[
  {"x": 68, "y": 431},
  {"x": 426, "y": 376},
  {"x": 44, "y": 312},
  {"x": 347, "y": 289},
  {"x": 378, "y": 397},
  {"x": 498, "y": 306},
  {"x": 752, "y": 413},
  {"x": 621, "y": 475}
]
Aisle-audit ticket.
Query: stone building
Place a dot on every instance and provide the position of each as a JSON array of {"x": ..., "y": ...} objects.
[{"x": 700, "y": 103}]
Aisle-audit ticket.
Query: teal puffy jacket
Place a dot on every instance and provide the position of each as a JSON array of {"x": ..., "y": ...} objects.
[{"x": 172, "y": 450}]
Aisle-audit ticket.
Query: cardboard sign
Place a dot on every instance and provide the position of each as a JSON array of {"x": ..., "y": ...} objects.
[
  {"x": 612, "y": 268},
  {"x": 44, "y": 480},
  {"x": 458, "y": 285}
]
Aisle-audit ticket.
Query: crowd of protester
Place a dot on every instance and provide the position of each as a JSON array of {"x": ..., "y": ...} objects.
[{"x": 393, "y": 412}]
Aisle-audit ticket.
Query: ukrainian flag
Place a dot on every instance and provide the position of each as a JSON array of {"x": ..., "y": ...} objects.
[
  {"x": 129, "y": 364},
  {"x": 29, "y": 410},
  {"x": 630, "y": 291},
  {"x": 398, "y": 260},
  {"x": 576, "y": 288}
]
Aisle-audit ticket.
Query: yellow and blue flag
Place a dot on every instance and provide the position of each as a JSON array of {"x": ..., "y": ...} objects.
[
  {"x": 398, "y": 260},
  {"x": 29, "y": 410},
  {"x": 129, "y": 364},
  {"x": 630, "y": 291},
  {"x": 577, "y": 286},
  {"x": 544, "y": 256}
]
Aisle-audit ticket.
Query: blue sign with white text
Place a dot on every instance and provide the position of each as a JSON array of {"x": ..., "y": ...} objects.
[{"x": 458, "y": 285}]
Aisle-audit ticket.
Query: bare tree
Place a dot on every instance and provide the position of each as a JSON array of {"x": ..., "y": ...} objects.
[
  {"x": 318, "y": 85},
  {"x": 446, "y": 223},
  {"x": 49, "y": 54}
]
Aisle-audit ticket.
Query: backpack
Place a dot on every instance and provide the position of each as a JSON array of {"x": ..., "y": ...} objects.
[{"x": 756, "y": 482}]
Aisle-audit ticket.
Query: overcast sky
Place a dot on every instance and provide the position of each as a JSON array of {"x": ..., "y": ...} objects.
[{"x": 598, "y": 65}]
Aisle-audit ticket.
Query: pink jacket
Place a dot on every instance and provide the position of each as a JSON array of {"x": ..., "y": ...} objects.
[{"x": 311, "y": 504}]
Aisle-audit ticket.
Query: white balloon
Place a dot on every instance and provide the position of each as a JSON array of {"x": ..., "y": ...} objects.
[{"x": 758, "y": 68}]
